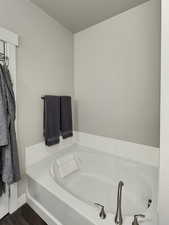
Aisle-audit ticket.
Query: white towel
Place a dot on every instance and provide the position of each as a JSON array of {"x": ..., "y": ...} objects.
[{"x": 67, "y": 165}]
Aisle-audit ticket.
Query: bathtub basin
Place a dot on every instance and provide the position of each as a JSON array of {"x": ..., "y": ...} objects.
[{"x": 97, "y": 182}]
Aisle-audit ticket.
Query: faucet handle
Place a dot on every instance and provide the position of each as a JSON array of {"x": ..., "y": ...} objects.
[
  {"x": 135, "y": 221},
  {"x": 102, "y": 213}
]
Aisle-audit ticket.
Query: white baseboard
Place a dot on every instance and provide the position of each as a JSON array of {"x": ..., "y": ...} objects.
[
  {"x": 17, "y": 203},
  {"x": 22, "y": 200},
  {"x": 13, "y": 200}
]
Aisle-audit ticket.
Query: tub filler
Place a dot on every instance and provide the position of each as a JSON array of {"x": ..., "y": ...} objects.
[{"x": 72, "y": 197}]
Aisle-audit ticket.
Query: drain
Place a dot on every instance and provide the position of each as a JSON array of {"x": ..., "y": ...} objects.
[{"x": 149, "y": 203}]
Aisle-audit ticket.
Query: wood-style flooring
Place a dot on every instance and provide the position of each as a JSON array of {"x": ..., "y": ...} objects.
[{"x": 23, "y": 216}]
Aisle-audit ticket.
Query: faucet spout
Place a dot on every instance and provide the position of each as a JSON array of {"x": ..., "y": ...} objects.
[{"x": 118, "y": 217}]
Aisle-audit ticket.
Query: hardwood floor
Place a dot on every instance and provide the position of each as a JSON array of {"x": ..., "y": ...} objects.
[{"x": 23, "y": 216}]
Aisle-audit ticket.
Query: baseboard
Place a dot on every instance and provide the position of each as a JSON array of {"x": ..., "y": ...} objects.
[
  {"x": 15, "y": 203},
  {"x": 22, "y": 200}
]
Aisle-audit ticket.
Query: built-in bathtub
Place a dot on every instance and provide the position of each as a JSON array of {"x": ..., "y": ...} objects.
[{"x": 71, "y": 200}]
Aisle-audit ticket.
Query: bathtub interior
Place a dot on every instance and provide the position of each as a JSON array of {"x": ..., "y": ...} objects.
[
  {"x": 98, "y": 178},
  {"x": 93, "y": 189}
]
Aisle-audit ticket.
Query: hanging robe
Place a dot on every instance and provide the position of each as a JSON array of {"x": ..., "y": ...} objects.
[{"x": 10, "y": 170}]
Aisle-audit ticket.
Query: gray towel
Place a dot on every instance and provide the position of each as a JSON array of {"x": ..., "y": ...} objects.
[
  {"x": 66, "y": 126},
  {"x": 51, "y": 119},
  {"x": 10, "y": 162}
]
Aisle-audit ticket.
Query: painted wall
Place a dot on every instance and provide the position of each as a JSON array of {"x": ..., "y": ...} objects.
[
  {"x": 44, "y": 65},
  {"x": 117, "y": 76},
  {"x": 164, "y": 141}
]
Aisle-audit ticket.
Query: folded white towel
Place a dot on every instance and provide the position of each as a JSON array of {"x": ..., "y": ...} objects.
[{"x": 67, "y": 165}]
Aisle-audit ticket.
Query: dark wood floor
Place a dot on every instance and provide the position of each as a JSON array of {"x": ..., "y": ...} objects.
[{"x": 23, "y": 216}]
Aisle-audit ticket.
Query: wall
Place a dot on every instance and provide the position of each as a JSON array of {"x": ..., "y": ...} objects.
[
  {"x": 164, "y": 141},
  {"x": 117, "y": 76},
  {"x": 44, "y": 65}
]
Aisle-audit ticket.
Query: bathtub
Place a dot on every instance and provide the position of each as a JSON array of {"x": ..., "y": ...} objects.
[{"x": 71, "y": 200}]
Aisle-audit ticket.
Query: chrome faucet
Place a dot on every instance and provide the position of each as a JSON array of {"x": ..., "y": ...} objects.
[
  {"x": 135, "y": 221},
  {"x": 102, "y": 213},
  {"x": 118, "y": 217}
]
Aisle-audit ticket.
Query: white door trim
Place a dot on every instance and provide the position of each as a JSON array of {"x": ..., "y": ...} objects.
[
  {"x": 164, "y": 132},
  {"x": 9, "y": 36}
]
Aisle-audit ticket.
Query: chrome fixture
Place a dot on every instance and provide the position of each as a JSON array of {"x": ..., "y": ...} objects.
[
  {"x": 135, "y": 221},
  {"x": 149, "y": 203},
  {"x": 118, "y": 217},
  {"x": 102, "y": 213}
]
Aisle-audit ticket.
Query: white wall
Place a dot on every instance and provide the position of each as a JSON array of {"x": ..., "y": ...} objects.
[
  {"x": 164, "y": 142},
  {"x": 117, "y": 76},
  {"x": 44, "y": 65}
]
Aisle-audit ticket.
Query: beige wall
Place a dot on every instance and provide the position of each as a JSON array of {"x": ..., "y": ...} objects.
[
  {"x": 117, "y": 76},
  {"x": 44, "y": 65}
]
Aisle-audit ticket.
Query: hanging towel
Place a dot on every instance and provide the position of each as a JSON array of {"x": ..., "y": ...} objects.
[
  {"x": 10, "y": 170},
  {"x": 66, "y": 117},
  {"x": 51, "y": 119}
]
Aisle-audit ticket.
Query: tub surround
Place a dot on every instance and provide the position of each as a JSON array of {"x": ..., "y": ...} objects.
[
  {"x": 139, "y": 153},
  {"x": 40, "y": 151}
]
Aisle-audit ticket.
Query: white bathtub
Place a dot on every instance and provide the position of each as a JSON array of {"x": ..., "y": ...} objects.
[{"x": 70, "y": 200}]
